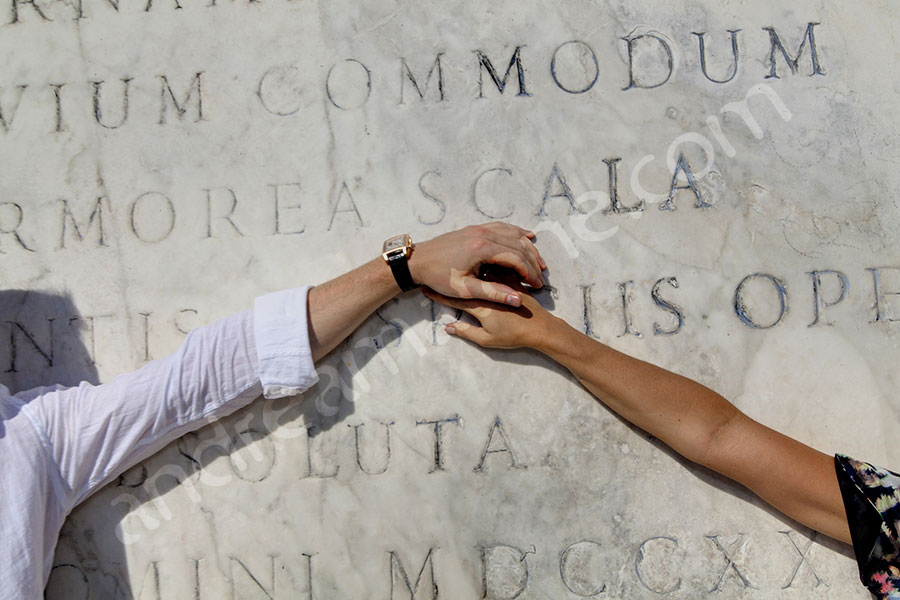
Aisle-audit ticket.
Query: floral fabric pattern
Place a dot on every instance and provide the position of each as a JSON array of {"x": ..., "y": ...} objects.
[{"x": 872, "y": 501}]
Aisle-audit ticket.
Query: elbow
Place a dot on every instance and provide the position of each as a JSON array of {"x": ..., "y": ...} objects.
[{"x": 718, "y": 441}]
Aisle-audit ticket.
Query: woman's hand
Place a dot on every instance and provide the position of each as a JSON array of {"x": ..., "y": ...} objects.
[{"x": 528, "y": 325}]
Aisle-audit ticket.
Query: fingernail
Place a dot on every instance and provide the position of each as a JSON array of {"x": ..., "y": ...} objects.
[
  {"x": 513, "y": 300},
  {"x": 450, "y": 329}
]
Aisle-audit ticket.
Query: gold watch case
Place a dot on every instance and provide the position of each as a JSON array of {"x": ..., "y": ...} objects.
[{"x": 398, "y": 245}]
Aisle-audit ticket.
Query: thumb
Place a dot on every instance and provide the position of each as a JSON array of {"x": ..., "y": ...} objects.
[
  {"x": 495, "y": 292},
  {"x": 468, "y": 332}
]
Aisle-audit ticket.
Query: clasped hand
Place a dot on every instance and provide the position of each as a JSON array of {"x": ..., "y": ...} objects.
[{"x": 449, "y": 263}]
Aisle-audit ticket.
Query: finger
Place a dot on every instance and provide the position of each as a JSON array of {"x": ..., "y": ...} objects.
[
  {"x": 490, "y": 290},
  {"x": 524, "y": 244},
  {"x": 515, "y": 237},
  {"x": 515, "y": 258},
  {"x": 469, "y": 332},
  {"x": 532, "y": 251},
  {"x": 537, "y": 252},
  {"x": 502, "y": 275},
  {"x": 450, "y": 301}
]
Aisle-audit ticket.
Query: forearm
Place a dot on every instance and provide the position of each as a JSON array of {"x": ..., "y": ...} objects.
[
  {"x": 336, "y": 308},
  {"x": 705, "y": 428},
  {"x": 682, "y": 413}
]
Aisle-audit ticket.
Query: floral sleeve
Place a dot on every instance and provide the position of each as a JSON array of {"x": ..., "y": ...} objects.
[{"x": 872, "y": 501}]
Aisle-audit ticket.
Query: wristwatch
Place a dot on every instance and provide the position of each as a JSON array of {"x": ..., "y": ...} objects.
[{"x": 396, "y": 251}]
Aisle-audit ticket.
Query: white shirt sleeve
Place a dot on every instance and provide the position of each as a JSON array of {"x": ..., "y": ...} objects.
[
  {"x": 285, "y": 369},
  {"x": 97, "y": 432}
]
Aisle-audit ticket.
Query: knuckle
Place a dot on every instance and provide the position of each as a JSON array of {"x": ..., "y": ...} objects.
[{"x": 476, "y": 245}]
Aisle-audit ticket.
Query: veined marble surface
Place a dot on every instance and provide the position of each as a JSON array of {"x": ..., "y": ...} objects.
[{"x": 166, "y": 161}]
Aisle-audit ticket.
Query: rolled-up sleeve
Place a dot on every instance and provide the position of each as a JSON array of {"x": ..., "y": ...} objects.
[
  {"x": 96, "y": 432},
  {"x": 281, "y": 329}
]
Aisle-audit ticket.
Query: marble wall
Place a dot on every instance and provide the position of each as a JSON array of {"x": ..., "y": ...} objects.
[{"x": 714, "y": 188}]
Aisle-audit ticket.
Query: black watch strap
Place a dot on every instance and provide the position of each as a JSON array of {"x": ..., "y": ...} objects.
[{"x": 400, "y": 268}]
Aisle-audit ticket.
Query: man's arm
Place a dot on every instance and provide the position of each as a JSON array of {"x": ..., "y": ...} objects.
[
  {"x": 94, "y": 433},
  {"x": 448, "y": 263},
  {"x": 690, "y": 418}
]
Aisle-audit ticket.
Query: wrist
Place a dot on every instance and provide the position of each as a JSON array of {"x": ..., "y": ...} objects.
[
  {"x": 558, "y": 340},
  {"x": 384, "y": 278},
  {"x": 416, "y": 263}
]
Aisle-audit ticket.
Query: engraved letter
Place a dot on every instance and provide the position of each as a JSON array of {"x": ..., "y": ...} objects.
[
  {"x": 682, "y": 166},
  {"x": 259, "y": 446},
  {"x": 277, "y": 201},
  {"x": 626, "y": 300},
  {"x": 227, "y": 217},
  {"x": 564, "y": 192},
  {"x": 16, "y": 210},
  {"x": 387, "y": 450},
  {"x": 643, "y": 576},
  {"x": 345, "y": 191},
  {"x": 880, "y": 315},
  {"x": 439, "y": 440},
  {"x": 98, "y": 113},
  {"x": 6, "y": 120},
  {"x": 478, "y": 207},
  {"x": 277, "y": 87},
  {"x": 804, "y": 559},
  {"x": 149, "y": 233},
  {"x": 819, "y": 304},
  {"x": 615, "y": 206},
  {"x": 667, "y": 306},
  {"x": 37, "y": 9},
  {"x": 400, "y": 580},
  {"x": 484, "y": 64},
  {"x": 46, "y": 352},
  {"x": 437, "y": 201},
  {"x": 793, "y": 63},
  {"x": 57, "y": 96},
  {"x": 405, "y": 70},
  {"x": 578, "y": 565},
  {"x": 729, "y": 561},
  {"x": 181, "y": 109},
  {"x": 741, "y": 309},
  {"x": 497, "y": 427},
  {"x": 585, "y": 50},
  {"x": 251, "y": 581},
  {"x": 632, "y": 83},
  {"x": 80, "y": 232},
  {"x": 503, "y": 567},
  {"x": 587, "y": 310},
  {"x": 342, "y": 89},
  {"x": 734, "y": 54}
]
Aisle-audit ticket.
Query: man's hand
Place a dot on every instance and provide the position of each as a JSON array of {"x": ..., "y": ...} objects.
[
  {"x": 449, "y": 263},
  {"x": 528, "y": 325}
]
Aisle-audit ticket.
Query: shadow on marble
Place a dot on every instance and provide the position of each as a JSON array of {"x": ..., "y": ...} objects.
[{"x": 46, "y": 347}]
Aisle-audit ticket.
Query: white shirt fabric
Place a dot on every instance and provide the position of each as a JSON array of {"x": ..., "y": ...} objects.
[{"x": 59, "y": 445}]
